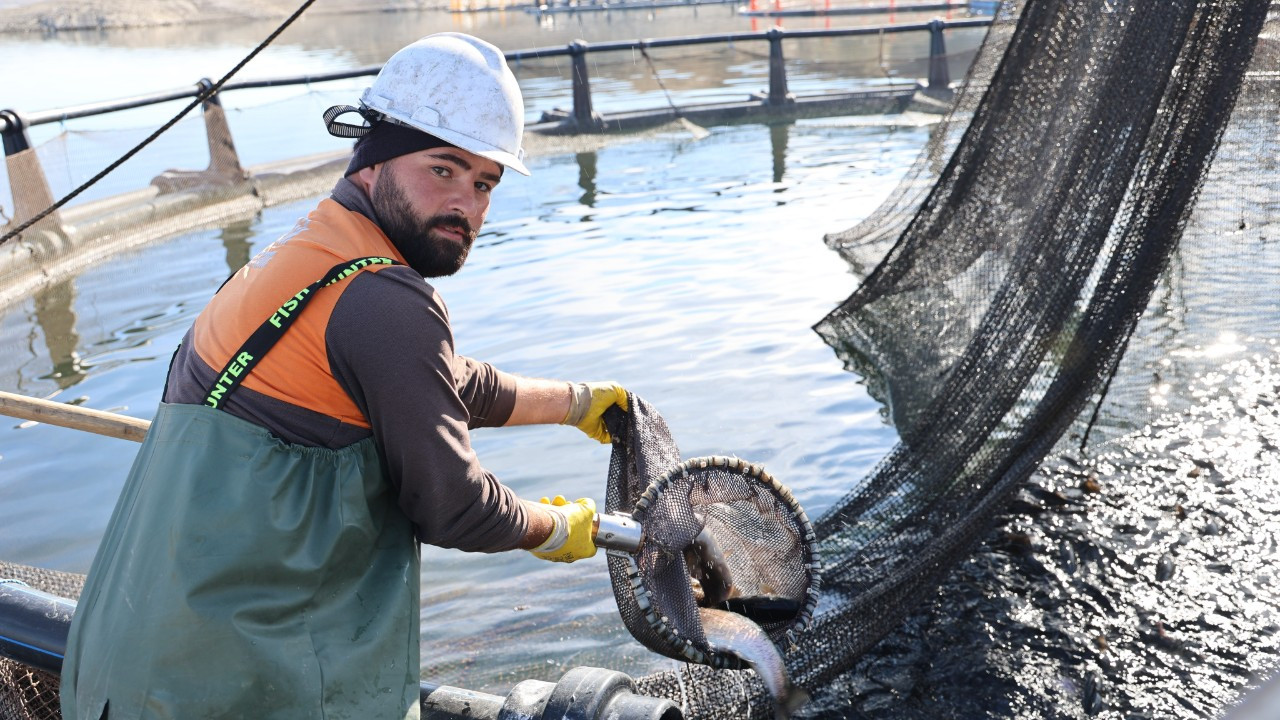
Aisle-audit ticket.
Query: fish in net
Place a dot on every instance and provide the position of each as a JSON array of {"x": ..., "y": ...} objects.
[{"x": 726, "y": 568}]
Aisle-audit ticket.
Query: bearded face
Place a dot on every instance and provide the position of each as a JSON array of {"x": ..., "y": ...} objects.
[{"x": 434, "y": 246}]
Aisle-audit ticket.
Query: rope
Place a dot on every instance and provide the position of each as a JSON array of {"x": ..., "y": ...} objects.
[
  {"x": 206, "y": 93},
  {"x": 696, "y": 130},
  {"x": 654, "y": 71}
]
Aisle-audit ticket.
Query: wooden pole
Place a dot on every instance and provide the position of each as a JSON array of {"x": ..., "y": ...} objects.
[{"x": 74, "y": 417}]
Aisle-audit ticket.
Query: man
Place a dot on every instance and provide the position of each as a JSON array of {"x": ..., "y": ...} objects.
[{"x": 262, "y": 561}]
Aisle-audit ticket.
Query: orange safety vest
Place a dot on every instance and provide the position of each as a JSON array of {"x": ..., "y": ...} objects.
[{"x": 297, "y": 369}]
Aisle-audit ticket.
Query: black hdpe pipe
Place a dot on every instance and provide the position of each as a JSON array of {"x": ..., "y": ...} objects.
[{"x": 34, "y": 627}]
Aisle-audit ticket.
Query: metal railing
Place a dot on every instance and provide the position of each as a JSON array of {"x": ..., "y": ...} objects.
[{"x": 582, "y": 119}]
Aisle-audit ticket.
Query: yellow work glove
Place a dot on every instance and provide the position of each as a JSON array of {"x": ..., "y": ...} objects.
[
  {"x": 587, "y": 404},
  {"x": 571, "y": 537}
]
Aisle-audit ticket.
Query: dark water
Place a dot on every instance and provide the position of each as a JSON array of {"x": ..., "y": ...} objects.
[{"x": 1137, "y": 581}]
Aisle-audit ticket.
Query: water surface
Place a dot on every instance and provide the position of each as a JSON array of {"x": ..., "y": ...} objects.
[
  {"x": 274, "y": 124},
  {"x": 690, "y": 271}
]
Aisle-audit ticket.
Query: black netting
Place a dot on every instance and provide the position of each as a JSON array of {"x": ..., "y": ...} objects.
[
  {"x": 1033, "y": 258},
  {"x": 26, "y": 693},
  {"x": 643, "y": 452},
  {"x": 1016, "y": 274}
]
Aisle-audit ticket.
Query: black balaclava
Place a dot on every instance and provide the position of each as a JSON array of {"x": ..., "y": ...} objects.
[{"x": 387, "y": 140}]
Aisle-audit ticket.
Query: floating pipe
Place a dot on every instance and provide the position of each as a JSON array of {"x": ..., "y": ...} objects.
[{"x": 34, "y": 626}]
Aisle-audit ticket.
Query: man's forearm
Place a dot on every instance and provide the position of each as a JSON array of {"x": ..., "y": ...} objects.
[
  {"x": 540, "y": 402},
  {"x": 540, "y": 525}
]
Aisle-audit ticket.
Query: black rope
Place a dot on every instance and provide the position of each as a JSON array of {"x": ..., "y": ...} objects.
[
  {"x": 1093, "y": 418},
  {"x": 202, "y": 96},
  {"x": 698, "y": 131},
  {"x": 654, "y": 71}
]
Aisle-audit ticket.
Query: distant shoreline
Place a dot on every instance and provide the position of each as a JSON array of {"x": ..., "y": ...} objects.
[{"x": 53, "y": 16}]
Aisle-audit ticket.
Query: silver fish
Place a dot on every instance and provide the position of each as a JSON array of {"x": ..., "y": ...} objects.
[
  {"x": 709, "y": 572},
  {"x": 731, "y": 633}
]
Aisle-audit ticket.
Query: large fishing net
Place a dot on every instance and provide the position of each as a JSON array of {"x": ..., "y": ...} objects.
[
  {"x": 1017, "y": 257},
  {"x": 1004, "y": 279}
]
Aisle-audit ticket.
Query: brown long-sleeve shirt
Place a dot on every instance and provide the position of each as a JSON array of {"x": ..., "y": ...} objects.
[{"x": 391, "y": 349}]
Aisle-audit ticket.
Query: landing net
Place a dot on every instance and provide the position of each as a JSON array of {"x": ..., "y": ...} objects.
[{"x": 762, "y": 564}]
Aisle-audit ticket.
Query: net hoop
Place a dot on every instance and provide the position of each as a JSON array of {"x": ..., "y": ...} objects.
[{"x": 685, "y": 648}]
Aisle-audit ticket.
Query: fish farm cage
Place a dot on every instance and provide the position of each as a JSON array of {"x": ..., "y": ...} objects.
[{"x": 1104, "y": 178}]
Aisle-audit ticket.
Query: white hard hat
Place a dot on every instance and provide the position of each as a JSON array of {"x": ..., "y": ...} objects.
[{"x": 457, "y": 88}]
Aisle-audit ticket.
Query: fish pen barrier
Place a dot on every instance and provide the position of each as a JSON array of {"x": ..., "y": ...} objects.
[{"x": 72, "y": 237}]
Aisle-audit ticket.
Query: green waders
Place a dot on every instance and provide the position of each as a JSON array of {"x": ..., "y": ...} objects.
[{"x": 244, "y": 577}]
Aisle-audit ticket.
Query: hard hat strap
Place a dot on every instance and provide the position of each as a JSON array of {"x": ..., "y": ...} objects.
[{"x": 347, "y": 130}]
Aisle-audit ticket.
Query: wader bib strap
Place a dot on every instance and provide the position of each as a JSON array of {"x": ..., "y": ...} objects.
[{"x": 274, "y": 328}]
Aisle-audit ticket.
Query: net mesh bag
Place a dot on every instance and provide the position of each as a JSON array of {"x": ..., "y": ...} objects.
[{"x": 763, "y": 542}]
